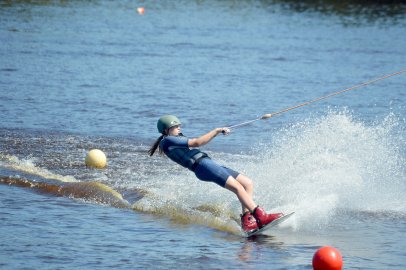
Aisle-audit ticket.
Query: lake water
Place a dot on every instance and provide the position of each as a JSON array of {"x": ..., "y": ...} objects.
[{"x": 79, "y": 75}]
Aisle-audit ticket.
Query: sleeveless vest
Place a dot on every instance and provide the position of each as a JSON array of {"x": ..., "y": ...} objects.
[{"x": 188, "y": 158}]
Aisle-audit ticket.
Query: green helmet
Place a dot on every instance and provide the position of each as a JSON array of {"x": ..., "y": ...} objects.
[{"x": 167, "y": 121}]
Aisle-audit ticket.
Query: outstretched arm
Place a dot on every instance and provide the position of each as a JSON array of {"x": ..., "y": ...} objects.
[{"x": 204, "y": 139}]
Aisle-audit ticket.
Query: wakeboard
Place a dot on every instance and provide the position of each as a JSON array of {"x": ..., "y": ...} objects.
[{"x": 270, "y": 225}]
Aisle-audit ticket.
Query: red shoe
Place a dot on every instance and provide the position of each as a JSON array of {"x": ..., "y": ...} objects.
[
  {"x": 263, "y": 218},
  {"x": 248, "y": 222}
]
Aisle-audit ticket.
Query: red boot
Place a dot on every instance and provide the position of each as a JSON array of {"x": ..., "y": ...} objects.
[
  {"x": 263, "y": 218},
  {"x": 248, "y": 222}
]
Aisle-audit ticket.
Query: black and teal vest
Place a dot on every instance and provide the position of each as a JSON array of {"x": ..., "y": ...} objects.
[{"x": 177, "y": 149}]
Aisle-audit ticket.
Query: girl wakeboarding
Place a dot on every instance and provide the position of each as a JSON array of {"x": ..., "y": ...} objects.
[{"x": 183, "y": 151}]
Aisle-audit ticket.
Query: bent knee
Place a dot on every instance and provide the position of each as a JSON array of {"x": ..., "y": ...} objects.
[
  {"x": 249, "y": 184},
  {"x": 246, "y": 182},
  {"x": 234, "y": 185}
]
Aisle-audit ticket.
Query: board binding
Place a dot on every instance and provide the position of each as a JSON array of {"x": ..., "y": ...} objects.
[{"x": 270, "y": 225}]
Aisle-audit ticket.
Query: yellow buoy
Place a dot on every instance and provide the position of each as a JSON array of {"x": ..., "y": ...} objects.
[{"x": 96, "y": 159}]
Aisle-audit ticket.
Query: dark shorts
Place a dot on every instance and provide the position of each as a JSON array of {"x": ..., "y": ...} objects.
[{"x": 210, "y": 171}]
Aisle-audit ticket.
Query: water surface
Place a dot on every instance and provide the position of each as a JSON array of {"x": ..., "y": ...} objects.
[{"x": 81, "y": 75}]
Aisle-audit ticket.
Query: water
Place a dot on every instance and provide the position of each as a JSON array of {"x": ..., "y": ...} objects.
[{"x": 81, "y": 75}]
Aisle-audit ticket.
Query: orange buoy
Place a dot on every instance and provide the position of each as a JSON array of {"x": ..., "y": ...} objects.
[
  {"x": 327, "y": 258},
  {"x": 141, "y": 10}
]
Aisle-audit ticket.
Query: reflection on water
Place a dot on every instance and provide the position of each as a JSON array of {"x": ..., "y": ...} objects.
[
  {"x": 351, "y": 11},
  {"x": 355, "y": 11},
  {"x": 253, "y": 247}
]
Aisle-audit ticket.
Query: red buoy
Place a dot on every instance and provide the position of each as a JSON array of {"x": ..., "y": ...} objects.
[{"x": 327, "y": 258}]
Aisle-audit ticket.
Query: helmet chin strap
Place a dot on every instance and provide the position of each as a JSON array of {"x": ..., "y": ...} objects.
[{"x": 269, "y": 115}]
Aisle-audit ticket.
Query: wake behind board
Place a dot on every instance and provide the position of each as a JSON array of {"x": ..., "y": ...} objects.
[{"x": 270, "y": 225}]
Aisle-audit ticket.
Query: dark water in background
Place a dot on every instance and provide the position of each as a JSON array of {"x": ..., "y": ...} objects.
[{"x": 94, "y": 74}]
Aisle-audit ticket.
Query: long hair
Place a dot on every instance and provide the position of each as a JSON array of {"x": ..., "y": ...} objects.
[{"x": 153, "y": 148}]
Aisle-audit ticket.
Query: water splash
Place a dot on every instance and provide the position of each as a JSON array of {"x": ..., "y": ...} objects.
[
  {"x": 27, "y": 165},
  {"x": 319, "y": 167},
  {"x": 24, "y": 173}
]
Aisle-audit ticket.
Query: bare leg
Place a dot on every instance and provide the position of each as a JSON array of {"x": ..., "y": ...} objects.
[
  {"x": 243, "y": 196},
  {"x": 248, "y": 186}
]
